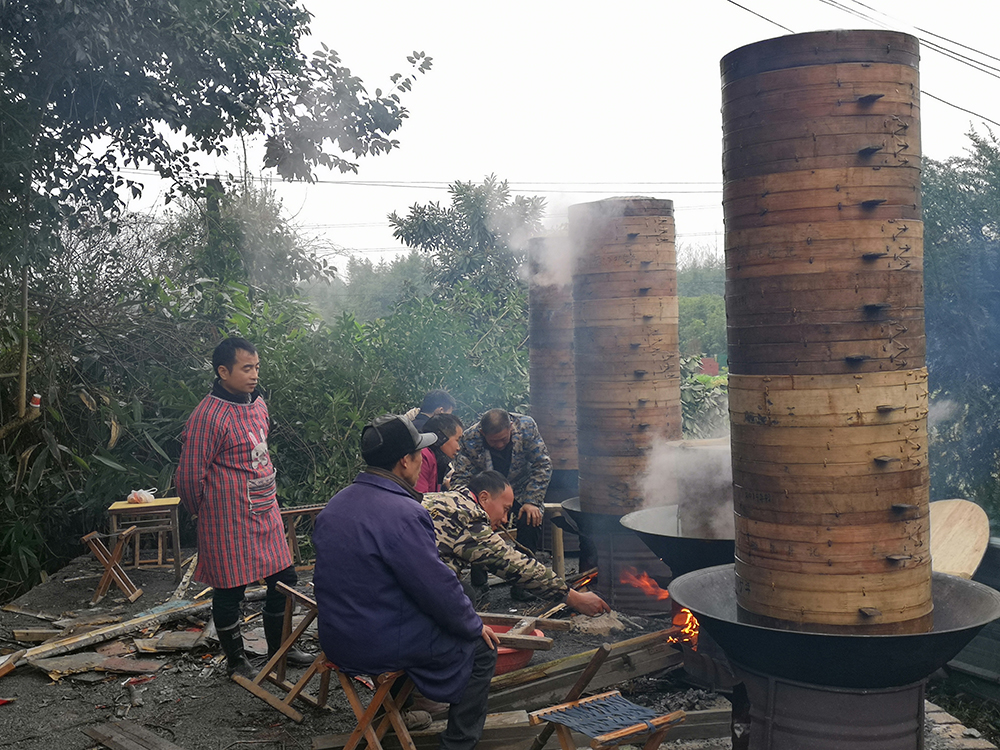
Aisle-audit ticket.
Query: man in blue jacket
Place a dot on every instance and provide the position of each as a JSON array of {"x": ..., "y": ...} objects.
[{"x": 386, "y": 601}]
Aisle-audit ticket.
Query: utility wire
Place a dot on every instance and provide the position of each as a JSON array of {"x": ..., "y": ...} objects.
[
  {"x": 763, "y": 18},
  {"x": 930, "y": 33},
  {"x": 963, "y": 59}
]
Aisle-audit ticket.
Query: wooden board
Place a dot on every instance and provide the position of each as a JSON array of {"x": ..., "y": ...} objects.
[
  {"x": 960, "y": 533},
  {"x": 510, "y": 729},
  {"x": 127, "y": 735}
]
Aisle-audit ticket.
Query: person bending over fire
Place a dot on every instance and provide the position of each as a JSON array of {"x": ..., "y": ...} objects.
[
  {"x": 465, "y": 522},
  {"x": 386, "y": 601},
  {"x": 510, "y": 444}
]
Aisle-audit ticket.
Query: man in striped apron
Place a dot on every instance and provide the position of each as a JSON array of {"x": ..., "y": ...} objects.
[{"x": 225, "y": 478}]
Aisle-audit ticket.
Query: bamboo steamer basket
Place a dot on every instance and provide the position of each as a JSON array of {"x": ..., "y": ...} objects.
[
  {"x": 550, "y": 352},
  {"x": 863, "y": 603},
  {"x": 824, "y": 300},
  {"x": 627, "y": 359},
  {"x": 879, "y": 330}
]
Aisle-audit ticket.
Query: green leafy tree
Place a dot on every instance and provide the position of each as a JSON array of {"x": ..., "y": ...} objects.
[
  {"x": 480, "y": 238},
  {"x": 702, "y": 325},
  {"x": 961, "y": 207},
  {"x": 701, "y": 270},
  {"x": 470, "y": 334},
  {"x": 370, "y": 291},
  {"x": 93, "y": 86}
]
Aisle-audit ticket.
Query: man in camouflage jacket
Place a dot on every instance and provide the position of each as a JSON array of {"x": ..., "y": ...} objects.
[
  {"x": 464, "y": 524},
  {"x": 511, "y": 444}
]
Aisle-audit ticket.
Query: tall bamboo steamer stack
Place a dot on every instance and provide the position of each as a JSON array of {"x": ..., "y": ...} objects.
[
  {"x": 552, "y": 373},
  {"x": 627, "y": 358},
  {"x": 824, "y": 298}
]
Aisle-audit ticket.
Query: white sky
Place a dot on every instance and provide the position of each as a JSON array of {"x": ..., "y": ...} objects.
[{"x": 577, "y": 101}]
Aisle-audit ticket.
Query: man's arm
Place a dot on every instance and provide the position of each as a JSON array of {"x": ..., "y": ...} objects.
[
  {"x": 538, "y": 462},
  {"x": 202, "y": 440},
  {"x": 469, "y": 460},
  {"x": 471, "y": 540}
]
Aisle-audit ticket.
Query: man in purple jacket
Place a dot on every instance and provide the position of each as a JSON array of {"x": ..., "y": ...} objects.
[{"x": 386, "y": 601}]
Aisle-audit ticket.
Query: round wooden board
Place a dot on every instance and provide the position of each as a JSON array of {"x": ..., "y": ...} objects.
[{"x": 960, "y": 533}]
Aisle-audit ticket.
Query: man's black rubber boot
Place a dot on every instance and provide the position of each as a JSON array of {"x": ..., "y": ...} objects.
[
  {"x": 273, "y": 624},
  {"x": 231, "y": 640}
]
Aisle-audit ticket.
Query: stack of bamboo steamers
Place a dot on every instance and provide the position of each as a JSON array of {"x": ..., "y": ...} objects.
[{"x": 824, "y": 295}]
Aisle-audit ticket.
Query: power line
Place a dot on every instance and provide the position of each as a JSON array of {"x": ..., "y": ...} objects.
[
  {"x": 933, "y": 46},
  {"x": 755, "y": 13},
  {"x": 436, "y": 184}
]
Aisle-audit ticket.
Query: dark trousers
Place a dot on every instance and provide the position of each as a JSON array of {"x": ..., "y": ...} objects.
[
  {"x": 527, "y": 535},
  {"x": 467, "y": 717},
  {"x": 226, "y": 602}
]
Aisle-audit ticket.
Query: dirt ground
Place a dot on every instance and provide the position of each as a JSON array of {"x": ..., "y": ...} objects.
[{"x": 189, "y": 701}]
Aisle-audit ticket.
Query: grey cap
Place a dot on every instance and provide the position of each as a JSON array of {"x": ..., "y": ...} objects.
[{"x": 390, "y": 437}]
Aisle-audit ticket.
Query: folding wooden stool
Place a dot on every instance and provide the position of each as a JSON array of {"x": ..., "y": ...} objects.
[
  {"x": 383, "y": 699},
  {"x": 112, "y": 565},
  {"x": 274, "y": 672},
  {"x": 609, "y": 720}
]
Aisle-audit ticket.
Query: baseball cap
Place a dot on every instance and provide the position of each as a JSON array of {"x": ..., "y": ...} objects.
[{"x": 390, "y": 437}]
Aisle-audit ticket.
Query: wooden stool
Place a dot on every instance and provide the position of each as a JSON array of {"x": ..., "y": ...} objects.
[
  {"x": 160, "y": 516},
  {"x": 383, "y": 699},
  {"x": 609, "y": 720},
  {"x": 112, "y": 565},
  {"x": 274, "y": 671}
]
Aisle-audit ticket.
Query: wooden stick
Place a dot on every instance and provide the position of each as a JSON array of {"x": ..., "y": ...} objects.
[
  {"x": 490, "y": 618},
  {"x": 182, "y": 587},
  {"x": 19, "y": 610}
]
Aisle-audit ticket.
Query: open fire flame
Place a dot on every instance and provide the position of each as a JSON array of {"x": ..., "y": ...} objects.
[{"x": 683, "y": 621}]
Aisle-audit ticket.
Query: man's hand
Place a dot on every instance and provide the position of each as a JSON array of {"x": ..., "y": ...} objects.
[
  {"x": 586, "y": 603},
  {"x": 491, "y": 638},
  {"x": 533, "y": 513}
]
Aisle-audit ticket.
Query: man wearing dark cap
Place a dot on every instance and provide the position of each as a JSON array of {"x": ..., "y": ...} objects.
[{"x": 386, "y": 601}]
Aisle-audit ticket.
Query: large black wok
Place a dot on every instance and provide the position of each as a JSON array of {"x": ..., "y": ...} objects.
[
  {"x": 682, "y": 554},
  {"x": 961, "y": 609}
]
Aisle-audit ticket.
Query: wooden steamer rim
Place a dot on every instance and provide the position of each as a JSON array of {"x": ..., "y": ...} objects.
[{"x": 820, "y": 48}]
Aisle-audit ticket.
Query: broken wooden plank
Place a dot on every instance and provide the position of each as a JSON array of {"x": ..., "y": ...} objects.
[
  {"x": 10, "y": 661},
  {"x": 35, "y": 635},
  {"x": 491, "y": 618},
  {"x": 182, "y": 587},
  {"x": 533, "y": 642},
  {"x": 127, "y": 735},
  {"x": 91, "y": 661},
  {"x": 551, "y": 688},
  {"x": 499, "y": 726},
  {"x": 577, "y": 662},
  {"x": 155, "y": 616},
  {"x": 19, "y": 610}
]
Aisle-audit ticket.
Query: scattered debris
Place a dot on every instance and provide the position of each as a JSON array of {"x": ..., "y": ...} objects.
[{"x": 91, "y": 661}]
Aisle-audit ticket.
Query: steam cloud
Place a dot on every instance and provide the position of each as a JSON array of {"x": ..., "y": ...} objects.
[{"x": 696, "y": 476}]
